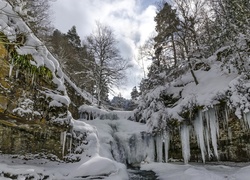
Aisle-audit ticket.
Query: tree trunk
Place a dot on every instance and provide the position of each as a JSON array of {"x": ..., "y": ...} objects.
[
  {"x": 189, "y": 64},
  {"x": 174, "y": 49}
]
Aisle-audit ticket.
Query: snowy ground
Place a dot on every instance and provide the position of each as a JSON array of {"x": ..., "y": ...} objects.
[
  {"x": 96, "y": 168},
  {"x": 42, "y": 168},
  {"x": 194, "y": 171}
]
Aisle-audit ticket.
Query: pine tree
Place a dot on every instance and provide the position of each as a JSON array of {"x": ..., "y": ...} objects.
[
  {"x": 134, "y": 94},
  {"x": 76, "y": 62},
  {"x": 167, "y": 24},
  {"x": 73, "y": 37}
]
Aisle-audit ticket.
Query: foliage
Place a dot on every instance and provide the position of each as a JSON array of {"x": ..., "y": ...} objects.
[
  {"x": 134, "y": 94},
  {"x": 75, "y": 61}
]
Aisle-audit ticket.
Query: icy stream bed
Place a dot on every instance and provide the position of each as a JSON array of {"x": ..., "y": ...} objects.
[{"x": 141, "y": 175}]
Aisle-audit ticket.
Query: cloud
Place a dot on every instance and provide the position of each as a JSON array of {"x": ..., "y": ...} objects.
[{"x": 131, "y": 20}]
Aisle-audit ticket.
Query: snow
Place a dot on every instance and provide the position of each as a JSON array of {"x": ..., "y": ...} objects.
[
  {"x": 122, "y": 139},
  {"x": 40, "y": 168},
  {"x": 99, "y": 166},
  {"x": 167, "y": 171},
  {"x": 83, "y": 93},
  {"x": 12, "y": 25}
]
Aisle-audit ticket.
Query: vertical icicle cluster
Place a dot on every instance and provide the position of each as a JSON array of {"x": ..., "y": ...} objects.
[
  {"x": 199, "y": 131},
  {"x": 159, "y": 143},
  {"x": 162, "y": 146},
  {"x": 185, "y": 143},
  {"x": 214, "y": 128},
  {"x": 206, "y": 128},
  {"x": 166, "y": 137},
  {"x": 63, "y": 141}
]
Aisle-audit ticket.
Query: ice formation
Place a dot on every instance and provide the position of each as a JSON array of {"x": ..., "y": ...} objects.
[
  {"x": 199, "y": 131},
  {"x": 185, "y": 143}
]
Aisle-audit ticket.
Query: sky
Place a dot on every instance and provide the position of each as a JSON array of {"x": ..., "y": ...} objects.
[{"x": 131, "y": 20}]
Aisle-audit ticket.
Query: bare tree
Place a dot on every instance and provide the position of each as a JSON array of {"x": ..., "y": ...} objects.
[
  {"x": 145, "y": 53},
  {"x": 109, "y": 65}
]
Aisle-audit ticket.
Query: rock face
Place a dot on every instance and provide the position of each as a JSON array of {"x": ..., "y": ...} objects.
[
  {"x": 228, "y": 139},
  {"x": 20, "y": 137},
  {"x": 26, "y": 113},
  {"x": 33, "y": 99},
  {"x": 34, "y": 102}
]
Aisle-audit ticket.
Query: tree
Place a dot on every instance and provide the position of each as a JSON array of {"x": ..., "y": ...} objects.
[
  {"x": 231, "y": 21},
  {"x": 74, "y": 58},
  {"x": 146, "y": 53},
  {"x": 73, "y": 37},
  {"x": 134, "y": 94},
  {"x": 36, "y": 14},
  {"x": 167, "y": 24},
  {"x": 60, "y": 46},
  {"x": 109, "y": 65}
]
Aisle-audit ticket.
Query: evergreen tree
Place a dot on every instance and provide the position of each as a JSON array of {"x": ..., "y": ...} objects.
[
  {"x": 134, "y": 94},
  {"x": 76, "y": 62},
  {"x": 73, "y": 37},
  {"x": 167, "y": 24}
]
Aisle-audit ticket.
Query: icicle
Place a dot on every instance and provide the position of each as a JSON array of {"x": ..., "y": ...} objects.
[
  {"x": 214, "y": 129},
  {"x": 63, "y": 141},
  {"x": 226, "y": 114},
  {"x": 33, "y": 78},
  {"x": 11, "y": 68},
  {"x": 70, "y": 145},
  {"x": 207, "y": 138},
  {"x": 166, "y": 144},
  {"x": 246, "y": 117},
  {"x": 17, "y": 73},
  {"x": 199, "y": 130},
  {"x": 159, "y": 147},
  {"x": 229, "y": 133},
  {"x": 150, "y": 150},
  {"x": 185, "y": 143}
]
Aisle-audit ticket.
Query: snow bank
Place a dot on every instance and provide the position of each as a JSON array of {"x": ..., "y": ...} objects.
[
  {"x": 101, "y": 167},
  {"x": 94, "y": 112},
  {"x": 197, "y": 172}
]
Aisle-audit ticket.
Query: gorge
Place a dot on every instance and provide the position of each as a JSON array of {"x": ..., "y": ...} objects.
[{"x": 51, "y": 129}]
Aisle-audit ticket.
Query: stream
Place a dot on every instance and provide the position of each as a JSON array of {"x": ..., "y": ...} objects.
[{"x": 141, "y": 175}]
